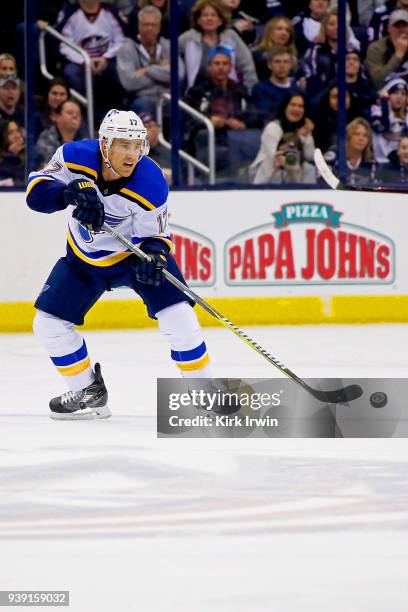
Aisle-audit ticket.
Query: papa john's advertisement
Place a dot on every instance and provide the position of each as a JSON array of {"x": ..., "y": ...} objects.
[{"x": 299, "y": 242}]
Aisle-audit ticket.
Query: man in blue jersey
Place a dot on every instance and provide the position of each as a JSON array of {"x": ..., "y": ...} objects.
[{"x": 111, "y": 180}]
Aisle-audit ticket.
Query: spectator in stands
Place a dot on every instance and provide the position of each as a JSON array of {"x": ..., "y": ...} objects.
[
  {"x": 10, "y": 93},
  {"x": 243, "y": 21},
  {"x": 292, "y": 117},
  {"x": 365, "y": 11},
  {"x": 325, "y": 133},
  {"x": 308, "y": 26},
  {"x": 379, "y": 21},
  {"x": 225, "y": 102},
  {"x": 157, "y": 152},
  {"x": 66, "y": 129},
  {"x": 210, "y": 20},
  {"x": 144, "y": 63},
  {"x": 269, "y": 94},
  {"x": 362, "y": 92},
  {"x": 132, "y": 26},
  {"x": 361, "y": 165},
  {"x": 12, "y": 154},
  {"x": 58, "y": 92},
  {"x": 396, "y": 170},
  {"x": 289, "y": 165},
  {"x": 278, "y": 32},
  {"x": 389, "y": 118},
  {"x": 96, "y": 28},
  {"x": 8, "y": 66},
  {"x": 320, "y": 61},
  {"x": 389, "y": 55}
]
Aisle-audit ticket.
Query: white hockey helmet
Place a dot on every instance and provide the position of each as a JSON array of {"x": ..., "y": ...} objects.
[{"x": 123, "y": 124}]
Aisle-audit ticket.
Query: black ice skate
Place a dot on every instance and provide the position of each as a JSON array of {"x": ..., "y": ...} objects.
[{"x": 88, "y": 403}]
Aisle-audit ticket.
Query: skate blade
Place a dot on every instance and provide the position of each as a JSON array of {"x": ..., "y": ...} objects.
[{"x": 102, "y": 412}]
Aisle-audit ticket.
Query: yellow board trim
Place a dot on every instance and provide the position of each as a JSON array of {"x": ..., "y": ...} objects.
[
  {"x": 73, "y": 166},
  {"x": 293, "y": 310},
  {"x": 103, "y": 263},
  {"x": 35, "y": 181},
  {"x": 138, "y": 197},
  {"x": 75, "y": 369},
  {"x": 193, "y": 365}
]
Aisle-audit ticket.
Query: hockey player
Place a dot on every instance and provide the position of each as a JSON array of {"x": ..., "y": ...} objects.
[{"x": 113, "y": 181}]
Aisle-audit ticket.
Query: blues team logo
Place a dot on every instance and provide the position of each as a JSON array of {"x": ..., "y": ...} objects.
[{"x": 112, "y": 220}]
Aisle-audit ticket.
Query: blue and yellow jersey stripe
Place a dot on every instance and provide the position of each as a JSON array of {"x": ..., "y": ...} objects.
[
  {"x": 34, "y": 181},
  {"x": 82, "y": 157},
  {"x": 133, "y": 196},
  {"x": 81, "y": 169},
  {"x": 92, "y": 258}
]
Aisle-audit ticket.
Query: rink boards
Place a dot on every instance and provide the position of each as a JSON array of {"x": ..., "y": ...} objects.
[{"x": 261, "y": 257}]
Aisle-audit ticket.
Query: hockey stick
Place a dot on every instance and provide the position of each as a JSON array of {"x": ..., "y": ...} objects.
[
  {"x": 335, "y": 183},
  {"x": 339, "y": 396}
]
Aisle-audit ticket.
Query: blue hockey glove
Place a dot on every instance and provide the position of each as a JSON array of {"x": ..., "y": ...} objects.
[
  {"x": 150, "y": 273},
  {"x": 89, "y": 209}
]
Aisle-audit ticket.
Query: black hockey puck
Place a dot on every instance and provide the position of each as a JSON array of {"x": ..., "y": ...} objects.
[{"x": 378, "y": 399}]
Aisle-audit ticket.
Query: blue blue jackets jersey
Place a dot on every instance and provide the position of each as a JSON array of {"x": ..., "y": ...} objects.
[{"x": 136, "y": 206}]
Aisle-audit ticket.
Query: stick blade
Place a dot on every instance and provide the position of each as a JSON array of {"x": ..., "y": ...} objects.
[
  {"x": 338, "y": 396},
  {"x": 324, "y": 170}
]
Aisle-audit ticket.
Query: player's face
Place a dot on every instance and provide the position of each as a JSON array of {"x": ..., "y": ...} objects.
[
  {"x": 295, "y": 110},
  {"x": 56, "y": 96},
  {"x": 209, "y": 20},
  {"x": 281, "y": 65},
  {"x": 403, "y": 151},
  {"x": 359, "y": 139},
  {"x": 7, "y": 66},
  {"x": 281, "y": 33},
  {"x": 124, "y": 155}
]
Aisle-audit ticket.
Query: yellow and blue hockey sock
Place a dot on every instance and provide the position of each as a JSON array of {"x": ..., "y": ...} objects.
[
  {"x": 180, "y": 325},
  {"x": 66, "y": 348}
]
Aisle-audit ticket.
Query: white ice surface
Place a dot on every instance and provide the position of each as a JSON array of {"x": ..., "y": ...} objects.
[{"x": 128, "y": 522}]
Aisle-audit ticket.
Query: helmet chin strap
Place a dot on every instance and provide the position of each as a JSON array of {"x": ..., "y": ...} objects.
[{"x": 107, "y": 162}]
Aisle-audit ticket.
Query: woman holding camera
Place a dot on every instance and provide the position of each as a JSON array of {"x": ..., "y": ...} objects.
[
  {"x": 291, "y": 118},
  {"x": 289, "y": 165}
]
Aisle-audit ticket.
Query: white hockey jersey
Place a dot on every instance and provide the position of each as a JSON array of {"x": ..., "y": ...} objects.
[{"x": 135, "y": 205}]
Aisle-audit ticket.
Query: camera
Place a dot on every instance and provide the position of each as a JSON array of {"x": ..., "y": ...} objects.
[{"x": 292, "y": 156}]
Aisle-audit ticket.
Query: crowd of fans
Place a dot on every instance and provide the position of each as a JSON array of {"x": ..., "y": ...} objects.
[{"x": 263, "y": 71}]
